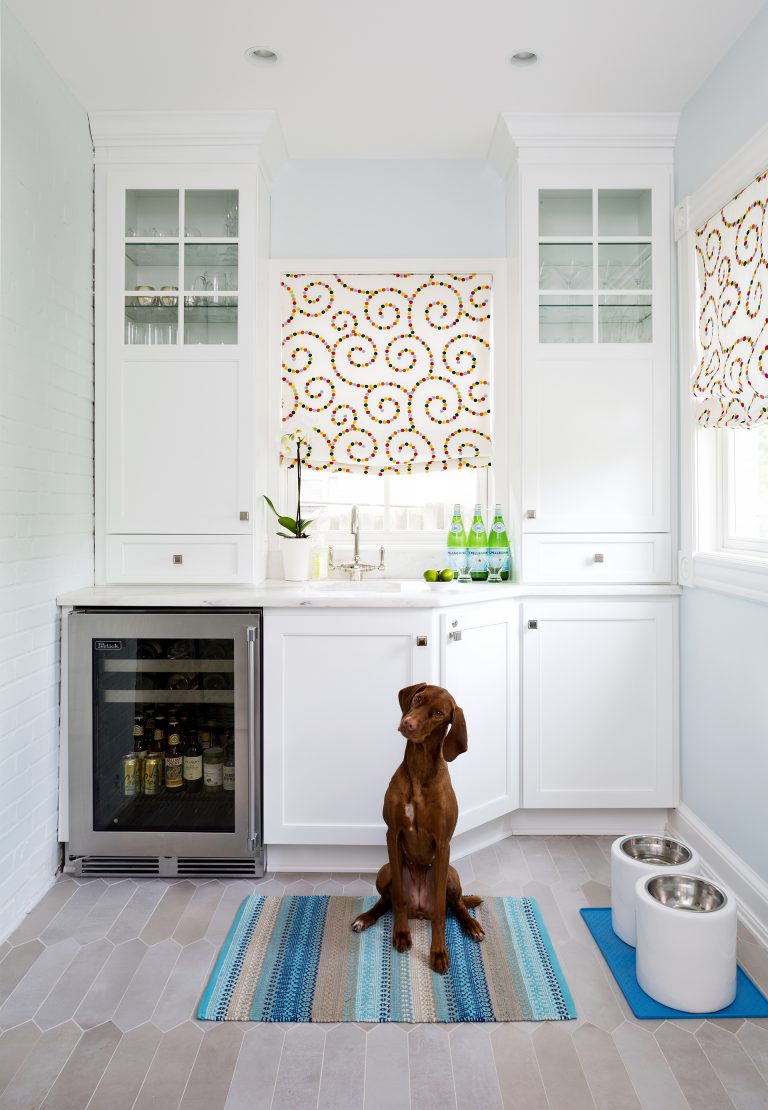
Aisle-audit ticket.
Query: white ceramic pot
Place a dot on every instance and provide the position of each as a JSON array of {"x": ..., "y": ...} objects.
[
  {"x": 296, "y": 559},
  {"x": 635, "y": 856},
  {"x": 686, "y": 942}
]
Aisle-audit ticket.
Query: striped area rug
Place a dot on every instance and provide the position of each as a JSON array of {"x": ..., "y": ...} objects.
[{"x": 296, "y": 958}]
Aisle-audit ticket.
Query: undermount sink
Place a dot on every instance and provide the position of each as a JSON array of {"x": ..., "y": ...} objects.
[{"x": 369, "y": 586}]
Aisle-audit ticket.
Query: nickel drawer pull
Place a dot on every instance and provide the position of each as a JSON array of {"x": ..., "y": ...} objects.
[
  {"x": 421, "y": 641},
  {"x": 533, "y": 625},
  {"x": 178, "y": 560},
  {"x": 454, "y": 636},
  {"x": 599, "y": 557}
]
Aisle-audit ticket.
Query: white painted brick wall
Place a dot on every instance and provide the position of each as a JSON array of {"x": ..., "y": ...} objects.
[{"x": 46, "y": 442}]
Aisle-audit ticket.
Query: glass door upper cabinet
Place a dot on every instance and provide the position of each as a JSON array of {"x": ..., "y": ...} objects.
[
  {"x": 624, "y": 263},
  {"x": 181, "y": 288}
]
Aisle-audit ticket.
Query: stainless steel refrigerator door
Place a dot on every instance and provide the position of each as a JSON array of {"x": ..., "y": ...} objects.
[{"x": 90, "y": 635}]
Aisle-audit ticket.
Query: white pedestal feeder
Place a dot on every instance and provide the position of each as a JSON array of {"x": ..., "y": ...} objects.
[{"x": 639, "y": 856}]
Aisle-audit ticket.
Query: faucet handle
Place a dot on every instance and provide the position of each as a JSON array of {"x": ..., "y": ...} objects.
[
  {"x": 330, "y": 559},
  {"x": 381, "y": 559},
  {"x": 354, "y": 520}
]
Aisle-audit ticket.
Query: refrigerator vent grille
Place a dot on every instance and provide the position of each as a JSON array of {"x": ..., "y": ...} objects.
[
  {"x": 167, "y": 867},
  {"x": 118, "y": 865},
  {"x": 190, "y": 865}
]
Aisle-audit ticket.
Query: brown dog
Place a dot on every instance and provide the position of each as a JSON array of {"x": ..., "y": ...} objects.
[{"x": 420, "y": 812}]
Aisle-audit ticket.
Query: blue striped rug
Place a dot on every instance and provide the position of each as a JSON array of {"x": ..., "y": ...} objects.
[{"x": 297, "y": 959}]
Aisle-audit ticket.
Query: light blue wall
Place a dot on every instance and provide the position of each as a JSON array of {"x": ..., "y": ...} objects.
[
  {"x": 388, "y": 209},
  {"x": 724, "y": 640}
]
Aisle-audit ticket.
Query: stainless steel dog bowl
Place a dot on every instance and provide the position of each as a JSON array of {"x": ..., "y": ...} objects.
[
  {"x": 686, "y": 892},
  {"x": 658, "y": 851}
]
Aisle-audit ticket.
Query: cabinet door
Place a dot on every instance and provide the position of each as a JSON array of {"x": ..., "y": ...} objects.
[
  {"x": 599, "y": 720},
  {"x": 331, "y": 680},
  {"x": 479, "y": 665}
]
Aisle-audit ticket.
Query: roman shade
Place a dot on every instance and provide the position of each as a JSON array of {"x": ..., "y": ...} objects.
[
  {"x": 388, "y": 373},
  {"x": 730, "y": 384}
]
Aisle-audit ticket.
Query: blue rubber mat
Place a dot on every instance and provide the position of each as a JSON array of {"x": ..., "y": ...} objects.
[{"x": 749, "y": 1002}]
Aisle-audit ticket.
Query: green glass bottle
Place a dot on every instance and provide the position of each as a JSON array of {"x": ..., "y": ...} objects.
[
  {"x": 457, "y": 543},
  {"x": 478, "y": 547},
  {"x": 498, "y": 545}
]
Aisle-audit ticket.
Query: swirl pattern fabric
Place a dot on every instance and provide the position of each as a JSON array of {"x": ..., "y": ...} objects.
[
  {"x": 388, "y": 373},
  {"x": 731, "y": 379},
  {"x": 296, "y": 959}
]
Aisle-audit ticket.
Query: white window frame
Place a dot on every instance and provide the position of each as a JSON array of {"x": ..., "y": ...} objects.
[
  {"x": 499, "y": 485},
  {"x": 710, "y": 556}
]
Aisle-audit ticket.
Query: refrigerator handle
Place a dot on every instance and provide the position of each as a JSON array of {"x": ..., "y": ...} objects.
[{"x": 254, "y": 838}]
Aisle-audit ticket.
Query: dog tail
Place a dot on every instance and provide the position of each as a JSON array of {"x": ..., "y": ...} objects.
[{"x": 471, "y": 900}]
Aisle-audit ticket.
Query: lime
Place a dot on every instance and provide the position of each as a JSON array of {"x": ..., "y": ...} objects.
[
  {"x": 431, "y": 575},
  {"x": 446, "y": 575}
]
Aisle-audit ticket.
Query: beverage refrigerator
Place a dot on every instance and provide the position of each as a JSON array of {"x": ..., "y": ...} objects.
[{"x": 136, "y": 678}]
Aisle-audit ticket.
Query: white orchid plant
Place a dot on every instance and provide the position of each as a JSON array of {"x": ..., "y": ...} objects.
[{"x": 293, "y": 528}]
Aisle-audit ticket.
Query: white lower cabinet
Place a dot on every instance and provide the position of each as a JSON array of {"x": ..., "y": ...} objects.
[
  {"x": 479, "y": 664},
  {"x": 599, "y": 703},
  {"x": 331, "y": 679}
]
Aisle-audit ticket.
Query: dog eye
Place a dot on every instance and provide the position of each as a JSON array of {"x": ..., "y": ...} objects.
[{"x": 439, "y": 713}]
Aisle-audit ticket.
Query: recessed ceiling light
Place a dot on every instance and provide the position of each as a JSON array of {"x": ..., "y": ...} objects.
[
  {"x": 524, "y": 58},
  {"x": 260, "y": 54}
]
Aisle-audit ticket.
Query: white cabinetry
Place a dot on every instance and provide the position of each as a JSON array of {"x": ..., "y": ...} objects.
[
  {"x": 182, "y": 225},
  {"x": 599, "y": 703}
]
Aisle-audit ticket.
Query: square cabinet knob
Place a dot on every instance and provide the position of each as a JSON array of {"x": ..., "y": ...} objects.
[{"x": 178, "y": 560}]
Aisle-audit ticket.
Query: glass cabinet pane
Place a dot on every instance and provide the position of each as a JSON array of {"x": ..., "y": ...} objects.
[
  {"x": 151, "y": 319},
  {"x": 164, "y": 740},
  {"x": 151, "y": 266},
  {"x": 565, "y": 212},
  {"x": 210, "y": 319},
  {"x": 624, "y": 319},
  {"x": 565, "y": 265},
  {"x": 624, "y": 212},
  {"x": 210, "y": 267},
  {"x": 211, "y": 213},
  {"x": 565, "y": 318},
  {"x": 624, "y": 265},
  {"x": 152, "y": 213}
]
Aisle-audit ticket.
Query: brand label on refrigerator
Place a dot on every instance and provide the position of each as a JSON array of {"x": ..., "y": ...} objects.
[{"x": 108, "y": 645}]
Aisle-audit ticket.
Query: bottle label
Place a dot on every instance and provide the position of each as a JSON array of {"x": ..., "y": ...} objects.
[
  {"x": 138, "y": 730},
  {"x": 478, "y": 528},
  {"x": 457, "y": 558},
  {"x": 478, "y": 562},
  {"x": 193, "y": 767},
  {"x": 159, "y": 734},
  {"x": 229, "y": 776},
  {"x": 498, "y": 526},
  {"x": 213, "y": 774},
  {"x": 456, "y": 527},
  {"x": 173, "y": 776}
]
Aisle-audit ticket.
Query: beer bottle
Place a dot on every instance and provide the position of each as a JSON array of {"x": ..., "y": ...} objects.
[
  {"x": 173, "y": 760},
  {"x": 140, "y": 745},
  {"x": 159, "y": 734},
  {"x": 192, "y": 764}
]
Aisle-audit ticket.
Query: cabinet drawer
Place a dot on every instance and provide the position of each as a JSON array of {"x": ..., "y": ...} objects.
[
  {"x": 597, "y": 558},
  {"x": 215, "y": 559}
]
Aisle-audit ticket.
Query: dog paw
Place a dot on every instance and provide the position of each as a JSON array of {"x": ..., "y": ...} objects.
[
  {"x": 358, "y": 925},
  {"x": 401, "y": 939},
  {"x": 438, "y": 960},
  {"x": 474, "y": 930}
]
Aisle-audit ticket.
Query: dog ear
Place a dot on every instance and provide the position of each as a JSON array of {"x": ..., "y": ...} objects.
[
  {"x": 405, "y": 697},
  {"x": 455, "y": 742}
]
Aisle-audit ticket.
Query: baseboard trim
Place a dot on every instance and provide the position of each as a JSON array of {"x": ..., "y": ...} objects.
[
  {"x": 586, "y": 822},
  {"x": 722, "y": 864}
]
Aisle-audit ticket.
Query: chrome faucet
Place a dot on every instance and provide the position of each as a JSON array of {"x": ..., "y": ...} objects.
[{"x": 355, "y": 568}]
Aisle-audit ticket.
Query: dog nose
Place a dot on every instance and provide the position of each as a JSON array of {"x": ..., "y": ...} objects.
[{"x": 408, "y": 724}]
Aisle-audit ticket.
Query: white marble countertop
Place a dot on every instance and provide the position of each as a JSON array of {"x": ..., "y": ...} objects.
[{"x": 337, "y": 594}]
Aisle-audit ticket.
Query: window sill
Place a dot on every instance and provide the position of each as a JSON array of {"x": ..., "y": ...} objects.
[{"x": 729, "y": 573}]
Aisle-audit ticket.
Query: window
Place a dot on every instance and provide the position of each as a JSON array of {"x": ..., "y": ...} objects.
[{"x": 744, "y": 463}]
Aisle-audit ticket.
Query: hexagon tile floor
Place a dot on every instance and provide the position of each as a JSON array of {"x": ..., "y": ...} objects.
[{"x": 99, "y": 984}]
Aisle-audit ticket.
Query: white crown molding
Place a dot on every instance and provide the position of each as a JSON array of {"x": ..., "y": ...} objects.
[
  {"x": 742, "y": 168},
  {"x": 589, "y": 129},
  {"x": 259, "y": 130}
]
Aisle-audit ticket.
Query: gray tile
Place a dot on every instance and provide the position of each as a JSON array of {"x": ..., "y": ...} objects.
[
  {"x": 593, "y": 859},
  {"x": 561, "y": 1072},
  {"x": 44, "y": 912},
  {"x": 587, "y": 977},
  {"x": 39, "y": 1072},
  {"x": 596, "y": 894},
  {"x": 486, "y": 863},
  {"x": 194, "y": 921},
  {"x": 553, "y": 919},
  {"x": 147, "y": 985},
  {"x": 104, "y": 914},
  {"x": 16, "y": 964},
  {"x": 330, "y": 886},
  {"x": 169, "y": 1072},
  {"x": 81, "y": 1074},
  {"x": 474, "y": 1073},
  {"x": 606, "y": 1075},
  {"x": 138, "y": 910},
  {"x": 754, "y": 959},
  {"x": 754, "y": 1039},
  {"x": 691, "y": 1068},
  {"x": 210, "y": 1078},
  {"x": 513, "y": 863},
  {"x": 342, "y": 1083},
  {"x": 430, "y": 1069},
  {"x": 647, "y": 1067},
  {"x": 124, "y": 1075},
  {"x": 43, "y": 975},
  {"x": 66, "y": 996},
  {"x": 104, "y": 995},
  {"x": 517, "y": 1069},
  {"x": 253, "y": 1081},
  {"x": 298, "y": 1076},
  {"x": 224, "y": 914},
  {"x": 74, "y": 910},
  {"x": 387, "y": 1079},
  {"x": 359, "y": 888},
  {"x": 745, "y": 1086},
  {"x": 179, "y": 1000},
  {"x": 167, "y": 913},
  {"x": 566, "y": 858},
  {"x": 539, "y": 860},
  {"x": 15, "y": 1046}
]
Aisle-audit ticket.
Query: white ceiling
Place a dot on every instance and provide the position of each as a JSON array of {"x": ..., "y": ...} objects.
[{"x": 394, "y": 79}]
